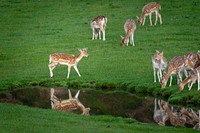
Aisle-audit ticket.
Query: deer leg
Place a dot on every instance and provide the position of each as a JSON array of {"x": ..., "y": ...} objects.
[
  {"x": 127, "y": 41},
  {"x": 179, "y": 77},
  {"x": 51, "y": 67},
  {"x": 170, "y": 80},
  {"x": 198, "y": 80},
  {"x": 93, "y": 33},
  {"x": 132, "y": 39},
  {"x": 75, "y": 67},
  {"x": 156, "y": 17},
  {"x": 99, "y": 34},
  {"x": 69, "y": 69},
  {"x": 158, "y": 74},
  {"x": 191, "y": 85},
  {"x": 154, "y": 73},
  {"x": 144, "y": 20},
  {"x": 160, "y": 18},
  {"x": 185, "y": 72},
  {"x": 150, "y": 19}
]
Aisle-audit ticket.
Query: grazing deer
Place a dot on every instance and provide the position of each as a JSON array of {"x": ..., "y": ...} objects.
[
  {"x": 66, "y": 59},
  {"x": 175, "y": 119},
  {"x": 160, "y": 116},
  {"x": 129, "y": 28},
  {"x": 159, "y": 64},
  {"x": 147, "y": 10},
  {"x": 69, "y": 104},
  {"x": 194, "y": 75},
  {"x": 98, "y": 25},
  {"x": 176, "y": 65}
]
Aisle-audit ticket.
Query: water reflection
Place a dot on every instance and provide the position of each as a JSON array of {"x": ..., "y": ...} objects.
[{"x": 143, "y": 109}]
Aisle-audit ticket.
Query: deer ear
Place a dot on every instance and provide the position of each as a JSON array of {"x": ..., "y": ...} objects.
[
  {"x": 137, "y": 17},
  {"x": 79, "y": 50},
  {"x": 122, "y": 37},
  {"x": 157, "y": 51}
]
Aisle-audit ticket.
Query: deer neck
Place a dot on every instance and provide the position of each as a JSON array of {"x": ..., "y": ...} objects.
[
  {"x": 187, "y": 80},
  {"x": 166, "y": 76},
  {"x": 79, "y": 57}
]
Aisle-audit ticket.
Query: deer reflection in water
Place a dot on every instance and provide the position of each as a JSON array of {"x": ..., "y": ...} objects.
[
  {"x": 68, "y": 105},
  {"x": 180, "y": 117},
  {"x": 160, "y": 116}
]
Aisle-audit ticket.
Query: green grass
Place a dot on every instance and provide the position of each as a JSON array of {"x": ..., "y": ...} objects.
[
  {"x": 31, "y": 30},
  {"x": 17, "y": 118}
]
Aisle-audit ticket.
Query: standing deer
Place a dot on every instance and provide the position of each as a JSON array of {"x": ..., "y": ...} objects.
[
  {"x": 129, "y": 28},
  {"x": 159, "y": 64},
  {"x": 176, "y": 66},
  {"x": 147, "y": 10},
  {"x": 66, "y": 59},
  {"x": 98, "y": 25}
]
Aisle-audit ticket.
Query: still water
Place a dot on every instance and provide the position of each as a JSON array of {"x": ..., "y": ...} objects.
[{"x": 117, "y": 104}]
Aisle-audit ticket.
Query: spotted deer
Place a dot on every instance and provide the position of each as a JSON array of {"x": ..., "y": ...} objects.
[
  {"x": 147, "y": 10},
  {"x": 98, "y": 25},
  {"x": 176, "y": 66},
  {"x": 159, "y": 64},
  {"x": 129, "y": 28},
  {"x": 68, "y": 105},
  {"x": 194, "y": 75},
  {"x": 66, "y": 59},
  {"x": 191, "y": 59}
]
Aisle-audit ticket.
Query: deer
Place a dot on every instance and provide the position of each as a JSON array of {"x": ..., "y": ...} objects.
[
  {"x": 129, "y": 28},
  {"x": 194, "y": 75},
  {"x": 68, "y": 105},
  {"x": 159, "y": 63},
  {"x": 98, "y": 25},
  {"x": 175, "y": 119},
  {"x": 191, "y": 59},
  {"x": 176, "y": 66},
  {"x": 66, "y": 59},
  {"x": 147, "y": 10},
  {"x": 160, "y": 116}
]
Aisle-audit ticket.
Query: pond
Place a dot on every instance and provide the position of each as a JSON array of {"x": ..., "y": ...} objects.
[{"x": 117, "y": 104}]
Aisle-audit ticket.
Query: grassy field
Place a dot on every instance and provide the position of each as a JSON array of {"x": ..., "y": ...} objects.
[{"x": 31, "y": 30}]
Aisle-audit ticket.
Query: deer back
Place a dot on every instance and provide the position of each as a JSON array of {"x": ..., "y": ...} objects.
[
  {"x": 150, "y": 7},
  {"x": 99, "y": 21},
  {"x": 129, "y": 27}
]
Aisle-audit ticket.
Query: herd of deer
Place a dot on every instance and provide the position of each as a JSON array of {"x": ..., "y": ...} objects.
[
  {"x": 98, "y": 25},
  {"x": 190, "y": 61}
]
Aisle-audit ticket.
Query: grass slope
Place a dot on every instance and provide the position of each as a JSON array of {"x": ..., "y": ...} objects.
[
  {"x": 17, "y": 118},
  {"x": 31, "y": 30}
]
